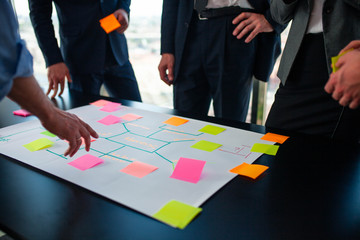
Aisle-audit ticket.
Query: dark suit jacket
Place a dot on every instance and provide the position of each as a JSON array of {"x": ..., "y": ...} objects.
[
  {"x": 176, "y": 17},
  {"x": 341, "y": 25},
  {"x": 82, "y": 40}
]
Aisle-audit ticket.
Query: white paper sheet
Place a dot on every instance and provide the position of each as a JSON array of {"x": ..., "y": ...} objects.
[{"x": 147, "y": 140}]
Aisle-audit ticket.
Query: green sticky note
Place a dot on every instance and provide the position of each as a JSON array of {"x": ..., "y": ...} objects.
[
  {"x": 214, "y": 130},
  {"x": 177, "y": 214},
  {"x": 336, "y": 58},
  {"x": 265, "y": 148},
  {"x": 47, "y": 133},
  {"x": 333, "y": 62},
  {"x": 206, "y": 145},
  {"x": 38, "y": 144}
]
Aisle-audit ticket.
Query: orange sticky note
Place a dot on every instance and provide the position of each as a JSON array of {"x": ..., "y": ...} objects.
[
  {"x": 275, "y": 137},
  {"x": 138, "y": 169},
  {"x": 109, "y": 23},
  {"x": 176, "y": 121},
  {"x": 249, "y": 170},
  {"x": 130, "y": 117}
]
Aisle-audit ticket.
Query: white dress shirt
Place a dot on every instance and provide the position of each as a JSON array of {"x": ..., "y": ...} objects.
[
  {"x": 228, "y": 3},
  {"x": 315, "y": 23}
]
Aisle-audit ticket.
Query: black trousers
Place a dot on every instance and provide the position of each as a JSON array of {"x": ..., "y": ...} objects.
[
  {"x": 302, "y": 103},
  {"x": 215, "y": 66},
  {"x": 119, "y": 82}
]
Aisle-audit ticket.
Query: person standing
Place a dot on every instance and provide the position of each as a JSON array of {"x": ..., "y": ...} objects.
[
  {"x": 319, "y": 30},
  {"x": 18, "y": 83},
  {"x": 211, "y": 50},
  {"x": 87, "y": 57}
]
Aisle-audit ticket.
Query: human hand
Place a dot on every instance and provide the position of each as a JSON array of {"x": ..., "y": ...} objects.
[
  {"x": 56, "y": 76},
  {"x": 69, "y": 127},
  {"x": 166, "y": 68},
  {"x": 344, "y": 84},
  {"x": 252, "y": 24},
  {"x": 352, "y": 45},
  {"x": 123, "y": 18}
]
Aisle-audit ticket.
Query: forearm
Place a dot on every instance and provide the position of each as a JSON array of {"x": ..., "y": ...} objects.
[
  {"x": 168, "y": 26},
  {"x": 124, "y": 4},
  {"x": 28, "y": 94},
  {"x": 40, "y": 16}
]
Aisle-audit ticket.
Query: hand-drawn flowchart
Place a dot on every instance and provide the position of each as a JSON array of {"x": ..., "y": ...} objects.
[{"x": 129, "y": 139}]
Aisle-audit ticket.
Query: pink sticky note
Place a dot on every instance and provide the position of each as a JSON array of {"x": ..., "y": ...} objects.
[
  {"x": 188, "y": 169},
  {"x": 100, "y": 103},
  {"x": 130, "y": 117},
  {"x": 109, "y": 120},
  {"x": 111, "y": 107},
  {"x": 22, "y": 112},
  {"x": 138, "y": 169},
  {"x": 85, "y": 162}
]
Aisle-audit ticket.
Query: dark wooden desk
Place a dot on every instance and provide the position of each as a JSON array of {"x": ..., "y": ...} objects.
[{"x": 310, "y": 191}]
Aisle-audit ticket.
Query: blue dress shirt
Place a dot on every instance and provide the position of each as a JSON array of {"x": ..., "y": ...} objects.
[{"x": 15, "y": 59}]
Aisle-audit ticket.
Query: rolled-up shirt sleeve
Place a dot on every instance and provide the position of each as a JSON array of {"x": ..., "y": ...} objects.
[{"x": 15, "y": 59}]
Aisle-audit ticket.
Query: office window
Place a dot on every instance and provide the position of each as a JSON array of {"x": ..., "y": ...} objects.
[{"x": 143, "y": 37}]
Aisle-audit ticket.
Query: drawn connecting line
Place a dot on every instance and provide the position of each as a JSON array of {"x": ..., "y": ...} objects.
[
  {"x": 145, "y": 143},
  {"x": 2, "y": 139},
  {"x": 14, "y": 134},
  {"x": 243, "y": 150}
]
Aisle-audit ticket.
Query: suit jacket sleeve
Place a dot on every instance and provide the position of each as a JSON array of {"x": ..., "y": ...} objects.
[
  {"x": 125, "y": 4},
  {"x": 283, "y": 12},
  {"x": 268, "y": 44},
  {"x": 168, "y": 25},
  {"x": 40, "y": 15}
]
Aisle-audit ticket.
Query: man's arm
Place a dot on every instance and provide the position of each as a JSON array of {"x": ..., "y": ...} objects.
[
  {"x": 344, "y": 84},
  {"x": 27, "y": 93},
  {"x": 168, "y": 29},
  {"x": 123, "y": 18},
  {"x": 252, "y": 24},
  {"x": 40, "y": 15}
]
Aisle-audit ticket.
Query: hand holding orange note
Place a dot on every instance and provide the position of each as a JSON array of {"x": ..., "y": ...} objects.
[{"x": 109, "y": 23}]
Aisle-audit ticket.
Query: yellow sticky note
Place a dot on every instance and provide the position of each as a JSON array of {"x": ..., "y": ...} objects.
[
  {"x": 206, "y": 145},
  {"x": 177, "y": 214},
  {"x": 265, "y": 148},
  {"x": 275, "y": 137},
  {"x": 214, "y": 130},
  {"x": 249, "y": 170},
  {"x": 176, "y": 121},
  {"x": 336, "y": 58},
  {"x": 109, "y": 23},
  {"x": 38, "y": 144}
]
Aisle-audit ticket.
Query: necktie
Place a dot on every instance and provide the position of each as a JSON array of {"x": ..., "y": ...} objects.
[{"x": 200, "y": 5}]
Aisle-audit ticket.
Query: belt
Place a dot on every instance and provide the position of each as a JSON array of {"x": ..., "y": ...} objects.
[{"x": 225, "y": 11}]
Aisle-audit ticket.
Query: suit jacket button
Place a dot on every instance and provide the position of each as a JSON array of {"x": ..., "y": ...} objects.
[{"x": 329, "y": 10}]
